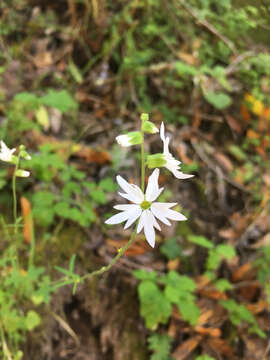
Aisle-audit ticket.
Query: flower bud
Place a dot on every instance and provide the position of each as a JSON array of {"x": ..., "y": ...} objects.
[
  {"x": 131, "y": 138},
  {"x": 144, "y": 117},
  {"x": 149, "y": 127},
  {"x": 22, "y": 173},
  {"x": 156, "y": 160}
]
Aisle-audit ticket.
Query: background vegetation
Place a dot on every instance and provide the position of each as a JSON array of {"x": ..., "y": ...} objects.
[{"x": 73, "y": 75}]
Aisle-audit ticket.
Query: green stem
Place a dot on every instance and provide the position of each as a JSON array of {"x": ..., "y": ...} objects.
[
  {"x": 103, "y": 269},
  {"x": 15, "y": 197},
  {"x": 142, "y": 162},
  {"x": 5, "y": 348},
  {"x": 121, "y": 251}
]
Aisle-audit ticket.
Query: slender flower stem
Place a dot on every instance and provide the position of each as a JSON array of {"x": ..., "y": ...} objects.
[
  {"x": 103, "y": 269},
  {"x": 142, "y": 163},
  {"x": 121, "y": 251},
  {"x": 14, "y": 196}
]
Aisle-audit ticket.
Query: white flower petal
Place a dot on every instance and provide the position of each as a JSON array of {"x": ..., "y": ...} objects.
[
  {"x": 5, "y": 152},
  {"x": 158, "y": 213},
  {"x": 166, "y": 205},
  {"x": 123, "y": 207},
  {"x": 152, "y": 190},
  {"x": 130, "y": 197},
  {"x": 149, "y": 231},
  {"x": 123, "y": 140},
  {"x": 162, "y": 132},
  {"x": 134, "y": 214},
  {"x": 155, "y": 223},
  {"x": 180, "y": 175},
  {"x": 168, "y": 213},
  {"x": 141, "y": 222},
  {"x": 134, "y": 193},
  {"x": 118, "y": 218}
]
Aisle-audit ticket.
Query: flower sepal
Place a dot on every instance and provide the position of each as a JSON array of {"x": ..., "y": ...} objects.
[
  {"x": 156, "y": 160},
  {"x": 149, "y": 127}
]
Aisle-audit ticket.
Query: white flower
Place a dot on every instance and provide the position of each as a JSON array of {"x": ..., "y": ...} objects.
[
  {"x": 144, "y": 208},
  {"x": 171, "y": 163},
  {"x": 6, "y": 153}
]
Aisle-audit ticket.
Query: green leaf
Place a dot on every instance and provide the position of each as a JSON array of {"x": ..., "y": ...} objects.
[
  {"x": 160, "y": 345},
  {"x": 237, "y": 152},
  {"x": 213, "y": 260},
  {"x": 75, "y": 72},
  {"x": 155, "y": 307},
  {"x": 171, "y": 249},
  {"x": 223, "y": 285},
  {"x": 200, "y": 240},
  {"x": 28, "y": 98},
  {"x": 218, "y": 100},
  {"x": 226, "y": 251},
  {"x": 107, "y": 184},
  {"x": 42, "y": 117},
  {"x": 189, "y": 310},
  {"x": 204, "y": 357},
  {"x": 145, "y": 275},
  {"x": 185, "y": 69},
  {"x": 60, "y": 100},
  {"x": 98, "y": 196},
  {"x": 32, "y": 320}
]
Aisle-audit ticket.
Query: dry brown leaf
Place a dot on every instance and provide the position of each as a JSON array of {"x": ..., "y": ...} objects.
[
  {"x": 93, "y": 156},
  {"x": 137, "y": 248},
  {"x": 173, "y": 264},
  {"x": 213, "y": 294},
  {"x": 265, "y": 241},
  {"x": 224, "y": 161},
  {"x": 258, "y": 307},
  {"x": 213, "y": 332},
  {"x": 234, "y": 124},
  {"x": 182, "y": 155},
  {"x": 202, "y": 281},
  {"x": 255, "y": 348},
  {"x": 220, "y": 346},
  {"x": 27, "y": 217},
  {"x": 244, "y": 272},
  {"x": 188, "y": 58},
  {"x": 64, "y": 147},
  {"x": 187, "y": 347}
]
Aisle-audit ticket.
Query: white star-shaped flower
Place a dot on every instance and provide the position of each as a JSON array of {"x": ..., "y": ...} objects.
[
  {"x": 6, "y": 153},
  {"x": 171, "y": 163},
  {"x": 144, "y": 208}
]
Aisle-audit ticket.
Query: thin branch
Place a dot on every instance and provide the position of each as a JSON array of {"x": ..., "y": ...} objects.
[{"x": 207, "y": 25}]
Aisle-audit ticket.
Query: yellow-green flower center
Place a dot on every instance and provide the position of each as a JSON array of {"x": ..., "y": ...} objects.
[{"x": 145, "y": 205}]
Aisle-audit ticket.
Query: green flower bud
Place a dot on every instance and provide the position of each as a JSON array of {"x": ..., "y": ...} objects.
[
  {"x": 131, "y": 138},
  {"x": 144, "y": 117},
  {"x": 149, "y": 127},
  {"x": 22, "y": 173},
  {"x": 156, "y": 160}
]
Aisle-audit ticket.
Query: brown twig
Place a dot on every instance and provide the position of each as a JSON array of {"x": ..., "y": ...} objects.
[{"x": 207, "y": 25}]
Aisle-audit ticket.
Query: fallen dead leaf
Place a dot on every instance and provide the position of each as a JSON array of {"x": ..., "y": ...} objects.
[
  {"x": 220, "y": 346},
  {"x": 213, "y": 332},
  {"x": 244, "y": 272},
  {"x": 187, "y": 347},
  {"x": 27, "y": 217}
]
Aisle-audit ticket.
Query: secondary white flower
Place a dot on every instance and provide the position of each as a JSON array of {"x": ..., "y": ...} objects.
[
  {"x": 22, "y": 173},
  {"x": 6, "y": 153},
  {"x": 129, "y": 139},
  {"x": 144, "y": 208},
  {"x": 171, "y": 163}
]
